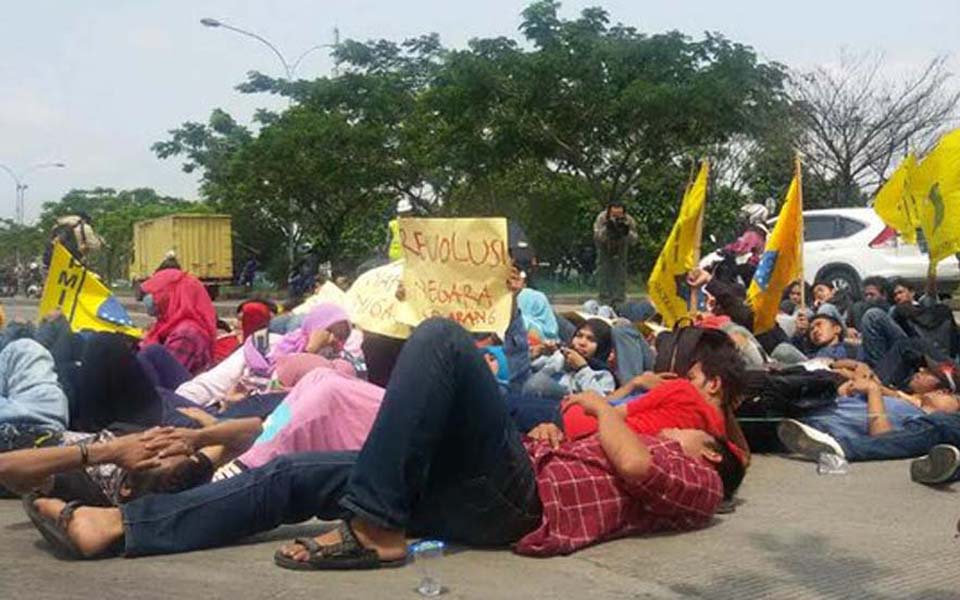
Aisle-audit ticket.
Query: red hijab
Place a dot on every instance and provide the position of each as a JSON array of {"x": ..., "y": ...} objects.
[{"x": 179, "y": 298}]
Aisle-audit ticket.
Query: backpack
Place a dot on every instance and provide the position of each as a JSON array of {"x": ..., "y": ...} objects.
[{"x": 787, "y": 393}]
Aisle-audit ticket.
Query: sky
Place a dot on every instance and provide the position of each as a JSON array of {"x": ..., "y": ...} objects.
[{"x": 94, "y": 84}]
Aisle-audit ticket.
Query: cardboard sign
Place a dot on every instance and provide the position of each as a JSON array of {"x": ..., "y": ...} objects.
[
  {"x": 456, "y": 268},
  {"x": 83, "y": 299},
  {"x": 372, "y": 301},
  {"x": 328, "y": 293}
]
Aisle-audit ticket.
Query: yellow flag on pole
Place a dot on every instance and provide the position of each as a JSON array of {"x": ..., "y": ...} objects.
[
  {"x": 782, "y": 260},
  {"x": 936, "y": 188},
  {"x": 895, "y": 202},
  {"x": 679, "y": 253},
  {"x": 84, "y": 300}
]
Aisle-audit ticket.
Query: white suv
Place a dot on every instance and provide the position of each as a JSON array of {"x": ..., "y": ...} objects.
[{"x": 845, "y": 245}]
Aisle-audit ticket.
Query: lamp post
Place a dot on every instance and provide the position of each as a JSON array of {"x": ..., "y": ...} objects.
[
  {"x": 290, "y": 71},
  {"x": 21, "y": 186}
]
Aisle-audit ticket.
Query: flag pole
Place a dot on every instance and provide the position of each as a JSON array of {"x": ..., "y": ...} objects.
[
  {"x": 803, "y": 280},
  {"x": 694, "y": 294}
]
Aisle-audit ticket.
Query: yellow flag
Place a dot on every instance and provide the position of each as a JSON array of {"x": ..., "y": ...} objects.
[
  {"x": 936, "y": 188},
  {"x": 83, "y": 299},
  {"x": 679, "y": 253},
  {"x": 782, "y": 260},
  {"x": 895, "y": 203}
]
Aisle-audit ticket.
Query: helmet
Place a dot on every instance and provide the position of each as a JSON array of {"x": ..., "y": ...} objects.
[
  {"x": 754, "y": 214},
  {"x": 404, "y": 206}
]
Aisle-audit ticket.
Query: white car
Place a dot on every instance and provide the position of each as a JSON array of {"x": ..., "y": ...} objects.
[{"x": 846, "y": 245}]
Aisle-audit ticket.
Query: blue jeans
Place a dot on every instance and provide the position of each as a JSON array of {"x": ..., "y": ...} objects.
[
  {"x": 880, "y": 333},
  {"x": 915, "y": 439},
  {"x": 442, "y": 459}
]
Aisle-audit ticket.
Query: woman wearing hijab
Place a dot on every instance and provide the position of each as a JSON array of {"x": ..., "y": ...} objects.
[
  {"x": 186, "y": 322},
  {"x": 579, "y": 367},
  {"x": 538, "y": 317}
]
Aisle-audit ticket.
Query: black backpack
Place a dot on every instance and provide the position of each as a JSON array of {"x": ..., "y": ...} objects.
[{"x": 787, "y": 393}]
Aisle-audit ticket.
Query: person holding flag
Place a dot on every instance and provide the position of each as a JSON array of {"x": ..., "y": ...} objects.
[
  {"x": 680, "y": 253},
  {"x": 782, "y": 260}
]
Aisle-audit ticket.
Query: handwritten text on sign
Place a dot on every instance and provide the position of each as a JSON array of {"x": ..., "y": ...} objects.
[
  {"x": 373, "y": 301},
  {"x": 456, "y": 268}
]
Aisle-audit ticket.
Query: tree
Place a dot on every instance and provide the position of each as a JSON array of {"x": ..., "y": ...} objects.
[
  {"x": 856, "y": 124},
  {"x": 114, "y": 213}
]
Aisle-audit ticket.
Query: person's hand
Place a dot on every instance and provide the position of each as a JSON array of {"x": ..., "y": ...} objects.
[
  {"x": 515, "y": 280},
  {"x": 173, "y": 441},
  {"x": 592, "y": 403},
  {"x": 573, "y": 359},
  {"x": 864, "y": 383},
  {"x": 318, "y": 340},
  {"x": 550, "y": 346},
  {"x": 846, "y": 388},
  {"x": 547, "y": 432},
  {"x": 134, "y": 453},
  {"x": 650, "y": 380},
  {"x": 698, "y": 277},
  {"x": 199, "y": 415},
  {"x": 802, "y": 322}
]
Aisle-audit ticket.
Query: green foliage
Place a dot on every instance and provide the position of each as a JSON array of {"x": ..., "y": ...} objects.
[
  {"x": 114, "y": 213},
  {"x": 546, "y": 130}
]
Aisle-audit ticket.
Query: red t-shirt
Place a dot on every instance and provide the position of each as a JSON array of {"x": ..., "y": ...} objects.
[{"x": 675, "y": 403}]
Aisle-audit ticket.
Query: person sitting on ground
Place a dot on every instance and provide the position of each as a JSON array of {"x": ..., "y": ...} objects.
[
  {"x": 904, "y": 293},
  {"x": 443, "y": 460},
  {"x": 866, "y": 409},
  {"x": 581, "y": 366},
  {"x": 538, "y": 317},
  {"x": 252, "y": 316},
  {"x": 823, "y": 336},
  {"x": 876, "y": 293},
  {"x": 186, "y": 321}
]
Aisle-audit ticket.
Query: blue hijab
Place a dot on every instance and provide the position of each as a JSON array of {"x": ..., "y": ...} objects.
[
  {"x": 503, "y": 371},
  {"x": 538, "y": 314}
]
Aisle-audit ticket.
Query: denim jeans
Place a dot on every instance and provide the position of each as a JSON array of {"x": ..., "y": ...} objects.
[
  {"x": 903, "y": 359},
  {"x": 442, "y": 459},
  {"x": 162, "y": 368},
  {"x": 879, "y": 333},
  {"x": 915, "y": 439}
]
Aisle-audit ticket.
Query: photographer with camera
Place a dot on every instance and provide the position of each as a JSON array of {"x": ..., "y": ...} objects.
[{"x": 614, "y": 231}]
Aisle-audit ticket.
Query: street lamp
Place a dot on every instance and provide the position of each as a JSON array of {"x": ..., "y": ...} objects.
[
  {"x": 21, "y": 186},
  {"x": 290, "y": 70}
]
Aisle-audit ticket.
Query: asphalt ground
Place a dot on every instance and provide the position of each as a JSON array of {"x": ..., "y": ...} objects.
[{"x": 871, "y": 534}]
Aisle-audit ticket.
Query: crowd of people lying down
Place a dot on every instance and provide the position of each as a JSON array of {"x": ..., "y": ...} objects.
[{"x": 568, "y": 430}]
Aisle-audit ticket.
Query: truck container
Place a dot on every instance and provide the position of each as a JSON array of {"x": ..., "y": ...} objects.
[{"x": 201, "y": 243}]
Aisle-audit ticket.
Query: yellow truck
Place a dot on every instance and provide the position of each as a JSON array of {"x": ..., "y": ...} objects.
[{"x": 201, "y": 243}]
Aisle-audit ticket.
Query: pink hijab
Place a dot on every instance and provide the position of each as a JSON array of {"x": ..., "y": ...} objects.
[{"x": 322, "y": 316}]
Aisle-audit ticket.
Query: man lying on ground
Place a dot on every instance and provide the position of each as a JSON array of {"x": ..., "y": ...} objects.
[
  {"x": 873, "y": 422},
  {"x": 443, "y": 459}
]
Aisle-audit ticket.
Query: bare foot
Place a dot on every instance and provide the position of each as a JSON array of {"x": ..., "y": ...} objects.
[
  {"x": 93, "y": 530},
  {"x": 388, "y": 543}
]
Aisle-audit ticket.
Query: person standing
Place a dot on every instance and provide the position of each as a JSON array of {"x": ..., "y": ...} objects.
[{"x": 614, "y": 231}]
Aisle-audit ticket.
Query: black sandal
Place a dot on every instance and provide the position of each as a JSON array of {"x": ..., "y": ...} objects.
[
  {"x": 55, "y": 531},
  {"x": 349, "y": 554}
]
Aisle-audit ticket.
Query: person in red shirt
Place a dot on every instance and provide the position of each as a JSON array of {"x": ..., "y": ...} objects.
[{"x": 698, "y": 400}]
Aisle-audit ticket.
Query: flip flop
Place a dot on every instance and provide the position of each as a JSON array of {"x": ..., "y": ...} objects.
[
  {"x": 55, "y": 530},
  {"x": 348, "y": 555}
]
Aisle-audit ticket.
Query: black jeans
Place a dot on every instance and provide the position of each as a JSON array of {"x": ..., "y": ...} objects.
[{"x": 442, "y": 459}]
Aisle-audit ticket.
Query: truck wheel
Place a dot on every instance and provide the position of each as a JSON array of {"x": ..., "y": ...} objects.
[{"x": 213, "y": 291}]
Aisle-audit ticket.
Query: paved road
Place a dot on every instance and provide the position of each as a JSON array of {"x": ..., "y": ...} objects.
[{"x": 871, "y": 534}]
